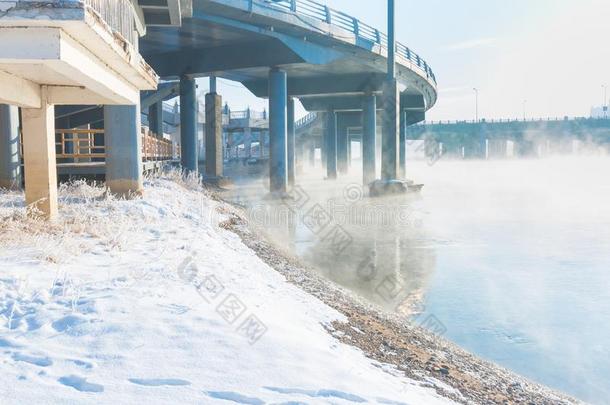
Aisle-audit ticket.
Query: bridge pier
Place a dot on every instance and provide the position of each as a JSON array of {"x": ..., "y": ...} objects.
[
  {"x": 278, "y": 131},
  {"x": 369, "y": 133},
  {"x": 155, "y": 118},
  {"x": 342, "y": 144},
  {"x": 213, "y": 135},
  {"x": 312, "y": 153},
  {"x": 188, "y": 125},
  {"x": 331, "y": 145},
  {"x": 291, "y": 143},
  {"x": 123, "y": 140},
  {"x": 10, "y": 167},
  {"x": 39, "y": 158},
  {"x": 324, "y": 144},
  {"x": 403, "y": 145},
  {"x": 390, "y": 132}
]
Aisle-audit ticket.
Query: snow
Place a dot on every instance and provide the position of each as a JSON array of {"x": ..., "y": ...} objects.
[{"x": 152, "y": 301}]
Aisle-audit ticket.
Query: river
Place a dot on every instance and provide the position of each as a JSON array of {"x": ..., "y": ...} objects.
[{"x": 508, "y": 259}]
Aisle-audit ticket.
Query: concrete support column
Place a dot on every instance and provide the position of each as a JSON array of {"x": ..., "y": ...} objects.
[
  {"x": 324, "y": 144},
  {"x": 123, "y": 138},
  {"x": 402, "y": 172},
  {"x": 291, "y": 143},
  {"x": 369, "y": 142},
  {"x": 213, "y": 135},
  {"x": 342, "y": 144},
  {"x": 155, "y": 118},
  {"x": 248, "y": 142},
  {"x": 331, "y": 144},
  {"x": 390, "y": 132},
  {"x": 278, "y": 129},
  {"x": 39, "y": 159},
  {"x": 188, "y": 125},
  {"x": 312, "y": 153},
  {"x": 10, "y": 168}
]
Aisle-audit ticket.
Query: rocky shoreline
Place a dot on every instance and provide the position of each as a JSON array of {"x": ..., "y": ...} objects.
[{"x": 393, "y": 340}]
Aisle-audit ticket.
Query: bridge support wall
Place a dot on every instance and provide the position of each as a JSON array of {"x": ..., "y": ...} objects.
[
  {"x": 278, "y": 131},
  {"x": 291, "y": 143},
  {"x": 10, "y": 168},
  {"x": 331, "y": 144},
  {"x": 342, "y": 144},
  {"x": 123, "y": 140},
  {"x": 39, "y": 159},
  {"x": 213, "y": 136},
  {"x": 188, "y": 125},
  {"x": 369, "y": 134},
  {"x": 390, "y": 132}
]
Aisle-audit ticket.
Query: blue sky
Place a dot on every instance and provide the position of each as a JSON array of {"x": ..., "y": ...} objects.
[{"x": 550, "y": 56}]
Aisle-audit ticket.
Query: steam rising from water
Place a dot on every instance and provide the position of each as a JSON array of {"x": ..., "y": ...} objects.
[{"x": 511, "y": 257}]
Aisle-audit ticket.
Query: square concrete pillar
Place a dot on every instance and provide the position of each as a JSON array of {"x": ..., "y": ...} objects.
[
  {"x": 291, "y": 142},
  {"x": 213, "y": 135},
  {"x": 123, "y": 139},
  {"x": 331, "y": 145},
  {"x": 39, "y": 160},
  {"x": 10, "y": 167},
  {"x": 278, "y": 129},
  {"x": 390, "y": 139},
  {"x": 369, "y": 139}
]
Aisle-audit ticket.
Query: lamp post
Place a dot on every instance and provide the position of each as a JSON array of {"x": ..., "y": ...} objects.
[
  {"x": 524, "y": 103},
  {"x": 476, "y": 94}
]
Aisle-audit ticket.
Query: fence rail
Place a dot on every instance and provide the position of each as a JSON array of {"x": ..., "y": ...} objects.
[
  {"x": 318, "y": 11},
  {"x": 87, "y": 145}
]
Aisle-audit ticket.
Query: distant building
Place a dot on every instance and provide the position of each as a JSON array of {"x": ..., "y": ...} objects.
[{"x": 600, "y": 112}]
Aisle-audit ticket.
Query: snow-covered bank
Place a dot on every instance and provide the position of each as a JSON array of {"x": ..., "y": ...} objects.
[{"x": 152, "y": 301}]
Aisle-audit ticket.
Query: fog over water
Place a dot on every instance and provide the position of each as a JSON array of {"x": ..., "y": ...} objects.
[{"x": 510, "y": 259}]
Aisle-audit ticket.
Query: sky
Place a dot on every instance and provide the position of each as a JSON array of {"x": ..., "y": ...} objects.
[{"x": 533, "y": 58}]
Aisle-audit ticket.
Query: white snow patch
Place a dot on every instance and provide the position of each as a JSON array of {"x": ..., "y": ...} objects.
[{"x": 150, "y": 301}]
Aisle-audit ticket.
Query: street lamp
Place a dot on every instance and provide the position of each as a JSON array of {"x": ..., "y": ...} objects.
[
  {"x": 476, "y": 94},
  {"x": 524, "y": 103}
]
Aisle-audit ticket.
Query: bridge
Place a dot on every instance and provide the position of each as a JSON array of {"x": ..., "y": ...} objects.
[
  {"x": 282, "y": 50},
  {"x": 530, "y": 137}
]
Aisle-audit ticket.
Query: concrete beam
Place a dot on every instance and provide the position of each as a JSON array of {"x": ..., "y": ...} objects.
[
  {"x": 202, "y": 62},
  {"x": 10, "y": 166},
  {"x": 328, "y": 85},
  {"x": 19, "y": 92}
]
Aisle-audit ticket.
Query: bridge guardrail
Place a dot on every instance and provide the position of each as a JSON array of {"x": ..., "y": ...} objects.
[
  {"x": 313, "y": 9},
  {"x": 118, "y": 14},
  {"x": 306, "y": 120}
]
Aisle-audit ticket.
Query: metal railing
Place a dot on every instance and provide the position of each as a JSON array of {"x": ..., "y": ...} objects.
[
  {"x": 118, "y": 14},
  {"x": 318, "y": 11},
  {"x": 305, "y": 121},
  {"x": 511, "y": 120}
]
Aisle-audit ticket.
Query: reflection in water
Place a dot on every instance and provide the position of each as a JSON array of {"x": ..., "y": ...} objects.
[
  {"x": 511, "y": 256},
  {"x": 375, "y": 248}
]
